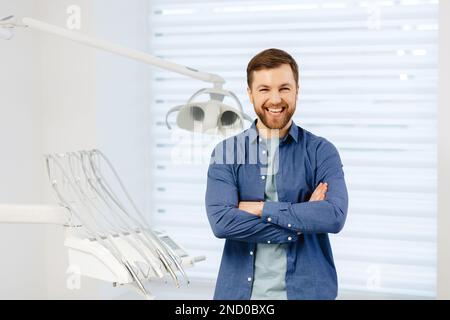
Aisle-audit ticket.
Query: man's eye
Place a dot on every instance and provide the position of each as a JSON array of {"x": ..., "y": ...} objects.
[
  {"x": 262, "y": 90},
  {"x": 285, "y": 89}
]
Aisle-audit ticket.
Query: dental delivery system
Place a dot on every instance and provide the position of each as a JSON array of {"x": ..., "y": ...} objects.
[
  {"x": 88, "y": 186},
  {"x": 107, "y": 236}
]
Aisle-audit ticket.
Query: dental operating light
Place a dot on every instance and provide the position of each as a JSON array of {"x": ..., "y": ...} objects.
[{"x": 212, "y": 116}]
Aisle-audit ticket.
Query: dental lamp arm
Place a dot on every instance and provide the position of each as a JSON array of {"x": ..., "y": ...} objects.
[{"x": 120, "y": 50}]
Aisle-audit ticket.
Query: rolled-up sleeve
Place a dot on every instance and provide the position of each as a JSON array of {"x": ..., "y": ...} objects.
[
  {"x": 227, "y": 221},
  {"x": 327, "y": 216}
]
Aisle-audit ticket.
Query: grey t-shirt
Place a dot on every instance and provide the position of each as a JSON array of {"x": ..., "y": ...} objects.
[{"x": 270, "y": 259}]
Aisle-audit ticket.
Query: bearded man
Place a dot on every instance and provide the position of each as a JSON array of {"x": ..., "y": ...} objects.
[{"x": 275, "y": 192}]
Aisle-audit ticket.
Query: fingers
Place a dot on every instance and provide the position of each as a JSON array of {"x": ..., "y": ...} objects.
[
  {"x": 321, "y": 188},
  {"x": 319, "y": 193},
  {"x": 324, "y": 188},
  {"x": 252, "y": 207}
]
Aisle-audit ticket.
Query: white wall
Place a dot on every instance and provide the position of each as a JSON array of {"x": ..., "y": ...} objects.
[
  {"x": 443, "y": 276},
  {"x": 122, "y": 93},
  {"x": 21, "y": 246}
]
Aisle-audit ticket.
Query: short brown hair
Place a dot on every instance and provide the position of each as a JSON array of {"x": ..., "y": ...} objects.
[{"x": 270, "y": 59}]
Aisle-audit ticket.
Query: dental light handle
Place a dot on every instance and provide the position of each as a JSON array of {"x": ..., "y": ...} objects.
[{"x": 123, "y": 51}]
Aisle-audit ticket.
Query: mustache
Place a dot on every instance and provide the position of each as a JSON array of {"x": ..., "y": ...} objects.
[{"x": 283, "y": 104}]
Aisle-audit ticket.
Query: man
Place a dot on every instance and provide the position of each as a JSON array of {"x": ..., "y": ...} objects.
[{"x": 274, "y": 192}]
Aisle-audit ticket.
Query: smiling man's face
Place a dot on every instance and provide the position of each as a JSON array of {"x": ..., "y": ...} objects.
[{"x": 273, "y": 94}]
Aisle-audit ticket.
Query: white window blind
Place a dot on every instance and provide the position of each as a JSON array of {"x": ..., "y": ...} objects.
[{"x": 368, "y": 77}]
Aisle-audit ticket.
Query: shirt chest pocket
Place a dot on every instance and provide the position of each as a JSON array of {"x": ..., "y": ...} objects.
[{"x": 251, "y": 182}]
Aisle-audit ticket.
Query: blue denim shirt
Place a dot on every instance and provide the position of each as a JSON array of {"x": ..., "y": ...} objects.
[{"x": 236, "y": 173}]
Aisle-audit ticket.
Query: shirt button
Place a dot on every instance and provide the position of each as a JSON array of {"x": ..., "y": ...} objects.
[
  {"x": 251, "y": 253},
  {"x": 263, "y": 177},
  {"x": 268, "y": 241},
  {"x": 269, "y": 219},
  {"x": 260, "y": 139},
  {"x": 298, "y": 233},
  {"x": 264, "y": 152},
  {"x": 249, "y": 279},
  {"x": 289, "y": 225},
  {"x": 289, "y": 238}
]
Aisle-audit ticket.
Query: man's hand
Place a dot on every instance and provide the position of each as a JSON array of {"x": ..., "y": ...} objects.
[
  {"x": 319, "y": 193},
  {"x": 252, "y": 207}
]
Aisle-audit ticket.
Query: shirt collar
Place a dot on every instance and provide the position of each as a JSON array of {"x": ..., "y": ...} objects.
[{"x": 293, "y": 132}]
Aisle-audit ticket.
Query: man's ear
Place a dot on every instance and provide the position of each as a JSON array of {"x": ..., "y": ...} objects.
[{"x": 250, "y": 95}]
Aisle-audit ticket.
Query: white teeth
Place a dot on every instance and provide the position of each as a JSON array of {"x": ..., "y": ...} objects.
[{"x": 275, "y": 110}]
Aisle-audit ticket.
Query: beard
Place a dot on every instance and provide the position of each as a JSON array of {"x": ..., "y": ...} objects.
[{"x": 275, "y": 121}]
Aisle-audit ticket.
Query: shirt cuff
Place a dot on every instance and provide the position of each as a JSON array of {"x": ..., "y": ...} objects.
[
  {"x": 272, "y": 211},
  {"x": 277, "y": 213}
]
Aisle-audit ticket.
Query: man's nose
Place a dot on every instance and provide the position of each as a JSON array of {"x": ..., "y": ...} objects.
[{"x": 275, "y": 97}]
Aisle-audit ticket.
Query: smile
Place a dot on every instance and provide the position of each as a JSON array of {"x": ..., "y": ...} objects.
[{"x": 275, "y": 110}]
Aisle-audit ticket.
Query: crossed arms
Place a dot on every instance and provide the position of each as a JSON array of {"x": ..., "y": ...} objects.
[
  {"x": 278, "y": 222},
  {"x": 256, "y": 208}
]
